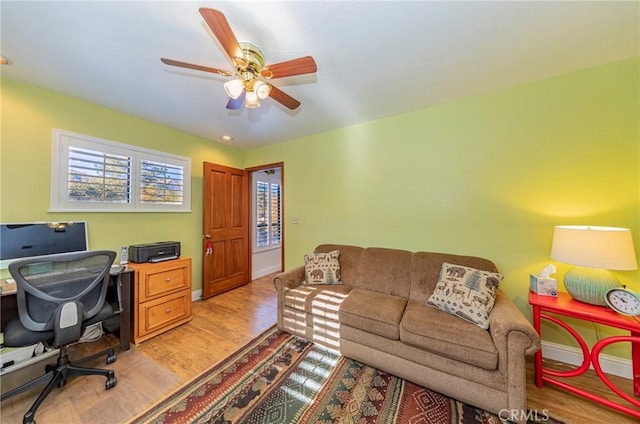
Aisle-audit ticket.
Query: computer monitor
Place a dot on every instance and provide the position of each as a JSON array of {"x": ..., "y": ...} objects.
[{"x": 26, "y": 239}]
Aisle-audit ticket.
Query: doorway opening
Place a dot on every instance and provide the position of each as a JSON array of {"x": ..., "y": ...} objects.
[{"x": 266, "y": 226}]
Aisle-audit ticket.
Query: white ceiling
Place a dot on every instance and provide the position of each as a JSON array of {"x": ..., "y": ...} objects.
[{"x": 375, "y": 58}]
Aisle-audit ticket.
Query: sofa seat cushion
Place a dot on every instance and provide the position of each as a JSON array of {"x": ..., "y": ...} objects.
[
  {"x": 436, "y": 331},
  {"x": 319, "y": 300},
  {"x": 377, "y": 313}
]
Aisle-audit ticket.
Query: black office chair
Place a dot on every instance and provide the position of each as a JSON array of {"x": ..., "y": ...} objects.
[{"x": 58, "y": 297}]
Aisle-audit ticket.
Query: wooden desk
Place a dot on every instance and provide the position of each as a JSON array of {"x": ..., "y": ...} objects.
[
  {"x": 565, "y": 305},
  {"x": 9, "y": 307}
]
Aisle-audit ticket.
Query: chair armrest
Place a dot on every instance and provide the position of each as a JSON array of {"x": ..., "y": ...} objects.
[{"x": 289, "y": 279}]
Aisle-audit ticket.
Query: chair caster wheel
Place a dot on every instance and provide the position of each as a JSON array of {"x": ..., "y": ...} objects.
[
  {"x": 111, "y": 358},
  {"x": 111, "y": 382}
]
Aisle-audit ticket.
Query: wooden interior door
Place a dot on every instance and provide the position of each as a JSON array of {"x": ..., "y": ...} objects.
[{"x": 225, "y": 242}]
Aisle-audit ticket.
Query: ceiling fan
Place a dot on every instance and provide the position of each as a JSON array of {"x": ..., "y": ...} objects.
[{"x": 251, "y": 75}]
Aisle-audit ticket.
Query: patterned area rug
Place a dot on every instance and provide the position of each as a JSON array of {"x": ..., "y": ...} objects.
[{"x": 280, "y": 378}]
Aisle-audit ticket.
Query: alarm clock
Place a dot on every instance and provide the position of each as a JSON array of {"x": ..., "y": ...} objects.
[{"x": 623, "y": 301}]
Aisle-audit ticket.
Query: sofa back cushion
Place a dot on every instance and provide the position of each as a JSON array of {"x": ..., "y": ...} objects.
[
  {"x": 397, "y": 272},
  {"x": 349, "y": 256},
  {"x": 426, "y": 268},
  {"x": 385, "y": 271}
]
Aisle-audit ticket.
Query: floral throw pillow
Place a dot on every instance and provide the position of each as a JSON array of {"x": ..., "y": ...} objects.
[
  {"x": 322, "y": 268},
  {"x": 468, "y": 293}
]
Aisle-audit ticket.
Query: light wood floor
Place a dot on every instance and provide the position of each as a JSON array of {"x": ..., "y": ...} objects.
[{"x": 221, "y": 325}]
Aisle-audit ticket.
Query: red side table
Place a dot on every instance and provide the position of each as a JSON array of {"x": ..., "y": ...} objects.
[{"x": 566, "y": 306}]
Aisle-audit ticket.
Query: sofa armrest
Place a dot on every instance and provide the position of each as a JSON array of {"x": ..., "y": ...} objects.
[
  {"x": 284, "y": 282},
  {"x": 506, "y": 318},
  {"x": 515, "y": 338},
  {"x": 289, "y": 279}
]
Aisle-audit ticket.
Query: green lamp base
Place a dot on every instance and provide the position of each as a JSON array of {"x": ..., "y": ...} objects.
[{"x": 589, "y": 285}]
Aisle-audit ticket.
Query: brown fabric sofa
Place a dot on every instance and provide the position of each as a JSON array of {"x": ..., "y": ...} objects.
[{"x": 379, "y": 316}]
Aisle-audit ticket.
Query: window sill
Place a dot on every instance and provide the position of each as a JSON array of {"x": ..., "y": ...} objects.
[{"x": 54, "y": 210}]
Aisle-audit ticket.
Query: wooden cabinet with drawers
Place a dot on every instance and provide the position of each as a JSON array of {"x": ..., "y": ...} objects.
[{"x": 162, "y": 297}]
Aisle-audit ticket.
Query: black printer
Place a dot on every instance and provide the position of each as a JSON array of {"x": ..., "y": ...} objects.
[{"x": 154, "y": 252}]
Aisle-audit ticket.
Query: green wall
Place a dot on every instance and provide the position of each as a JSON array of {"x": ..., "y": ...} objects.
[
  {"x": 28, "y": 115},
  {"x": 487, "y": 176}
]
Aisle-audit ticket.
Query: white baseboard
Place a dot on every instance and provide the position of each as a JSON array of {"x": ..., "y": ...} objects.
[
  {"x": 573, "y": 355},
  {"x": 196, "y": 295},
  {"x": 265, "y": 271}
]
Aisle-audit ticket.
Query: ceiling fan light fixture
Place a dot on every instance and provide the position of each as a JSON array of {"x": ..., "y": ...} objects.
[
  {"x": 262, "y": 89},
  {"x": 248, "y": 61},
  {"x": 234, "y": 88},
  {"x": 251, "y": 101}
]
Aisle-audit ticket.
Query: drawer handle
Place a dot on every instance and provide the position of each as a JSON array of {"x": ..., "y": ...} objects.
[
  {"x": 167, "y": 310},
  {"x": 168, "y": 280}
]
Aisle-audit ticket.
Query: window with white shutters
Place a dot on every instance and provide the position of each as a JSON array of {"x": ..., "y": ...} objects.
[
  {"x": 274, "y": 206},
  {"x": 262, "y": 216},
  {"x": 92, "y": 174},
  {"x": 161, "y": 183},
  {"x": 268, "y": 214}
]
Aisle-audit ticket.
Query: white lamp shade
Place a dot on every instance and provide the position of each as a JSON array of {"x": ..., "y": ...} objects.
[
  {"x": 594, "y": 247},
  {"x": 262, "y": 89},
  {"x": 251, "y": 101},
  {"x": 234, "y": 88}
]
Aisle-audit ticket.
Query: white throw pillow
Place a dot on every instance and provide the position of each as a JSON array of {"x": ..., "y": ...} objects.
[{"x": 322, "y": 268}]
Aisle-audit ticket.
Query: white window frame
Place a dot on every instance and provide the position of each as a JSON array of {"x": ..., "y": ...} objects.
[
  {"x": 269, "y": 180},
  {"x": 63, "y": 140}
]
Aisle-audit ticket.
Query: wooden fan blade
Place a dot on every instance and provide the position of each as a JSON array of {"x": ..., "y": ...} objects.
[
  {"x": 222, "y": 30},
  {"x": 235, "y": 104},
  {"x": 299, "y": 66},
  {"x": 282, "y": 97},
  {"x": 196, "y": 67}
]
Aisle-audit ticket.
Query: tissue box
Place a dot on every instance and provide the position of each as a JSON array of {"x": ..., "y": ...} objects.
[{"x": 545, "y": 286}]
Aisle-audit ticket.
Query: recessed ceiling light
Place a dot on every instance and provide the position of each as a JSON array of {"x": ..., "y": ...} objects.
[{"x": 226, "y": 138}]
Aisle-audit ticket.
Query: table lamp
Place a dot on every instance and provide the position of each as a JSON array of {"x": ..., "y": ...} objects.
[{"x": 594, "y": 251}]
